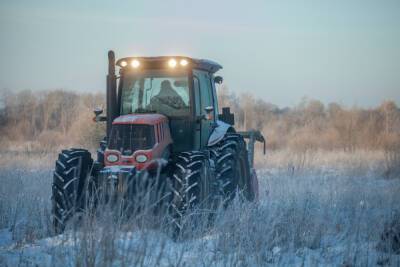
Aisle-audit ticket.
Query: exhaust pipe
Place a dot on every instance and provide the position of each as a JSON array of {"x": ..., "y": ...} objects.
[{"x": 111, "y": 93}]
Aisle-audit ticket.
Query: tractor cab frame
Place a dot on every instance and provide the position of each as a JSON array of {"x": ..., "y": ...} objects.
[{"x": 193, "y": 128}]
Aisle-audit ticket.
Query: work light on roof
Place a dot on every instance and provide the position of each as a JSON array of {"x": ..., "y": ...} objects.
[
  {"x": 135, "y": 63},
  {"x": 183, "y": 62},
  {"x": 172, "y": 63},
  {"x": 123, "y": 63}
]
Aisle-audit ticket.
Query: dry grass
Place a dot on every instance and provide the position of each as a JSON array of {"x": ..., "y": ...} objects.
[
  {"x": 391, "y": 145},
  {"x": 357, "y": 163},
  {"x": 316, "y": 208}
]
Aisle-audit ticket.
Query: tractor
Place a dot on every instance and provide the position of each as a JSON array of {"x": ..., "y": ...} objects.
[{"x": 162, "y": 120}]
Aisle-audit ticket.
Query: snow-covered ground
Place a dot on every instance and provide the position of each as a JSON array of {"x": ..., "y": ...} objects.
[{"x": 312, "y": 211}]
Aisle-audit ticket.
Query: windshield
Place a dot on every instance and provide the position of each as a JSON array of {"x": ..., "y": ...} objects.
[{"x": 155, "y": 91}]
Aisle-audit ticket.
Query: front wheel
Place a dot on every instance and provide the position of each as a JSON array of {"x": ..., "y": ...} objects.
[
  {"x": 190, "y": 184},
  {"x": 71, "y": 173}
]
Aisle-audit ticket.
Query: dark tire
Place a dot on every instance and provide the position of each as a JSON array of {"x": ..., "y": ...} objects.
[
  {"x": 71, "y": 172},
  {"x": 232, "y": 168},
  {"x": 190, "y": 187}
]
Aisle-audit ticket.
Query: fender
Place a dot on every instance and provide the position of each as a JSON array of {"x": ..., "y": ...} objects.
[{"x": 219, "y": 132}]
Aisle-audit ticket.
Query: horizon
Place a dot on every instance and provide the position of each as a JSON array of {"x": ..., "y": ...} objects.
[{"x": 340, "y": 52}]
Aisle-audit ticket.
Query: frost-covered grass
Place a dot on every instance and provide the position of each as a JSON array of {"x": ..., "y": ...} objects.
[{"x": 315, "y": 209}]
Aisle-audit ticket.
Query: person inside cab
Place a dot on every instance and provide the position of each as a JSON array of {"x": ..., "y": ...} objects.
[{"x": 167, "y": 100}]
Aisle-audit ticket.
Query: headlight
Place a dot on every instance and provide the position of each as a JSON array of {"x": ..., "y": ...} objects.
[
  {"x": 123, "y": 63},
  {"x": 141, "y": 158},
  {"x": 112, "y": 158}
]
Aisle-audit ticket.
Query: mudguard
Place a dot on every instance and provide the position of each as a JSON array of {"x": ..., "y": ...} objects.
[{"x": 219, "y": 132}]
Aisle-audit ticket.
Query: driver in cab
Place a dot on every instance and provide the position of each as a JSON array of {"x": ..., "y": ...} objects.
[{"x": 167, "y": 100}]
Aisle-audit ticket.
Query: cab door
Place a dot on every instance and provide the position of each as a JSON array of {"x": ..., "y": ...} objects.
[{"x": 203, "y": 98}]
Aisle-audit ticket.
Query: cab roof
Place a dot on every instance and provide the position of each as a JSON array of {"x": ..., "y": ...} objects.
[{"x": 162, "y": 61}]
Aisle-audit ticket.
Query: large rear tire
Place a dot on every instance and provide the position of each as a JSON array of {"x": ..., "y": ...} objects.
[
  {"x": 190, "y": 183},
  {"x": 232, "y": 166},
  {"x": 71, "y": 174}
]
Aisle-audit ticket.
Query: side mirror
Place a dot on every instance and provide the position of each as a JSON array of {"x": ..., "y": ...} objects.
[
  {"x": 209, "y": 109},
  {"x": 218, "y": 79},
  {"x": 209, "y": 113},
  {"x": 98, "y": 111}
]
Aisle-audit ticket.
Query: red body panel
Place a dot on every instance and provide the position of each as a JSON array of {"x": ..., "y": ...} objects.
[{"x": 162, "y": 141}]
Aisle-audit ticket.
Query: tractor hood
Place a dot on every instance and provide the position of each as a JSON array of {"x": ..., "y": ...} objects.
[
  {"x": 149, "y": 119},
  {"x": 137, "y": 140}
]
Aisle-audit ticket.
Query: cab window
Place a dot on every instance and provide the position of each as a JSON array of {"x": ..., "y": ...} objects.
[
  {"x": 206, "y": 95},
  {"x": 154, "y": 91}
]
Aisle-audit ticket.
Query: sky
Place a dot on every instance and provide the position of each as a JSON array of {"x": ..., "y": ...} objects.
[{"x": 345, "y": 51}]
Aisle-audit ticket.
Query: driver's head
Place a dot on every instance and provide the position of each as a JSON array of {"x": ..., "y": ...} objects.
[{"x": 166, "y": 85}]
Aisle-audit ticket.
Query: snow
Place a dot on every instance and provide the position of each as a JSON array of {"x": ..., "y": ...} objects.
[
  {"x": 325, "y": 216},
  {"x": 5, "y": 237}
]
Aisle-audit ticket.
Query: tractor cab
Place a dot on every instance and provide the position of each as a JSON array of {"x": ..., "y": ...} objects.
[{"x": 179, "y": 88}]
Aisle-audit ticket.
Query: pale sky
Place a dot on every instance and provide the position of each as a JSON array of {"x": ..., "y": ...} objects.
[{"x": 347, "y": 51}]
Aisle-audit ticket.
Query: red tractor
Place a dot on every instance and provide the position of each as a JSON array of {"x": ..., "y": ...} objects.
[{"x": 162, "y": 118}]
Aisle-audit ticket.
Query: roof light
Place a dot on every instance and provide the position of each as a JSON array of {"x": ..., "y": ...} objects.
[
  {"x": 172, "y": 63},
  {"x": 183, "y": 62},
  {"x": 135, "y": 63},
  {"x": 123, "y": 63}
]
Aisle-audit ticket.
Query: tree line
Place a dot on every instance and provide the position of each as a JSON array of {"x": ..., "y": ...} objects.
[
  {"x": 58, "y": 118},
  {"x": 46, "y": 120},
  {"x": 313, "y": 125}
]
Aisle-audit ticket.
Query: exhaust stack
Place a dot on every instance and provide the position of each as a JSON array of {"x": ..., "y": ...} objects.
[{"x": 111, "y": 94}]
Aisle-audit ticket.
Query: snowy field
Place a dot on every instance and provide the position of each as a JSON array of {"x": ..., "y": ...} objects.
[{"x": 315, "y": 209}]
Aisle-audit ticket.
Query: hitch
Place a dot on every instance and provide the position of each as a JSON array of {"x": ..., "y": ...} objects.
[{"x": 253, "y": 136}]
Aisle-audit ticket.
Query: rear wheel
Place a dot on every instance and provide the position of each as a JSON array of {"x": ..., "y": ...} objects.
[
  {"x": 68, "y": 190},
  {"x": 232, "y": 168},
  {"x": 190, "y": 188}
]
